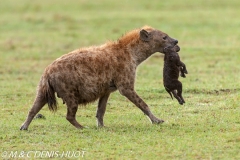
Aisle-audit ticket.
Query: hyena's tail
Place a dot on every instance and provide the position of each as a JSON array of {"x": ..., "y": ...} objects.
[{"x": 49, "y": 95}]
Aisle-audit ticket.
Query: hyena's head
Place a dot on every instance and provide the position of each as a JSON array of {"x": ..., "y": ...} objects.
[{"x": 157, "y": 39}]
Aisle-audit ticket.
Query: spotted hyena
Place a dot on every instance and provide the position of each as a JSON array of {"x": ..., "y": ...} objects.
[{"x": 87, "y": 74}]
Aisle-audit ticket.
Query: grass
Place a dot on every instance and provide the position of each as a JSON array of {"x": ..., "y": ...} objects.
[{"x": 33, "y": 34}]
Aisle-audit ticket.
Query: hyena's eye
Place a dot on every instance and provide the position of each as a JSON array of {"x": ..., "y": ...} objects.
[{"x": 165, "y": 37}]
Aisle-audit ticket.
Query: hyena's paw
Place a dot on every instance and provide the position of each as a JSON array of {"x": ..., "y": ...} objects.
[
  {"x": 23, "y": 127},
  {"x": 157, "y": 121}
]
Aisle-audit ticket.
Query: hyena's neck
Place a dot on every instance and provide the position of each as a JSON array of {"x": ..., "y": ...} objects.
[{"x": 140, "y": 53}]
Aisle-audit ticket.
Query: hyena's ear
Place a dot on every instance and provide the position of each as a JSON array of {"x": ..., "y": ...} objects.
[{"x": 145, "y": 36}]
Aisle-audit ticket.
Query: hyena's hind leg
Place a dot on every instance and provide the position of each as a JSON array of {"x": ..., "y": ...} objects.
[{"x": 39, "y": 102}]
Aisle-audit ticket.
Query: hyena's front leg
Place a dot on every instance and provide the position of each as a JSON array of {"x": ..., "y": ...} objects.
[
  {"x": 101, "y": 109},
  {"x": 134, "y": 98}
]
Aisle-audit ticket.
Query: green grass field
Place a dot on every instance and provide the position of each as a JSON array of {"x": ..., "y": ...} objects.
[{"x": 34, "y": 33}]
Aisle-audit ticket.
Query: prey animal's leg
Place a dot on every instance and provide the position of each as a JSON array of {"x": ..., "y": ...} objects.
[
  {"x": 183, "y": 66},
  {"x": 169, "y": 92},
  {"x": 182, "y": 73},
  {"x": 179, "y": 92},
  {"x": 101, "y": 109},
  {"x": 39, "y": 102},
  {"x": 177, "y": 97}
]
